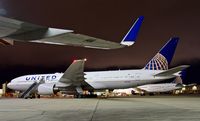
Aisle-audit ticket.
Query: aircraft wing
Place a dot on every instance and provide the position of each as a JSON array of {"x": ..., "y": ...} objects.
[
  {"x": 74, "y": 74},
  {"x": 172, "y": 71},
  {"x": 27, "y": 32},
  {"x": 80, "y": 40}
]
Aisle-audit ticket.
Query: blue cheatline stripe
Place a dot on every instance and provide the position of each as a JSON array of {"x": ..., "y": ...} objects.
[{"x": 133, "y": 32}]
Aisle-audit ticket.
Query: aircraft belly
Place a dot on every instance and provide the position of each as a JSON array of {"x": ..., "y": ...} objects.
[
  {"x": 112, "y": 84},
  {"x": 159, "y": 89}
]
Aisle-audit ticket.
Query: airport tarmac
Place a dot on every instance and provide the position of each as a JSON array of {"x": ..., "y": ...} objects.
[{"x": 147, "y": 108}]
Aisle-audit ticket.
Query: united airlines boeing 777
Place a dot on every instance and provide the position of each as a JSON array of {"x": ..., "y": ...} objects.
[{"x": 74, "y": 80}]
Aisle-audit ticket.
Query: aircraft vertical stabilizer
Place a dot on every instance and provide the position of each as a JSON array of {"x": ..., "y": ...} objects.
[
  {"x": 130, "y": 37},
  {"x": 163, "y": 58}
]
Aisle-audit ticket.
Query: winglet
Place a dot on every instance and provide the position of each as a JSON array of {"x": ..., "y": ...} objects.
[{"x": 130, "y": 38}]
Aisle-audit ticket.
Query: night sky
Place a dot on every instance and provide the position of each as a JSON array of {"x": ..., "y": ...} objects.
[{"x": 106, "y": 19}]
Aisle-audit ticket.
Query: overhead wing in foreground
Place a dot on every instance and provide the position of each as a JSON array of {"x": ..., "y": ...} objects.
[
  {"x": 92, "y": 42},
  {"x": 24, "y": 31},
  {"x": 27, "y": 32}
]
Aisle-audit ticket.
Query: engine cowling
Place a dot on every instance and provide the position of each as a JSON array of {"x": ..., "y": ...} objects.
[{"x": 46, "y": 89}]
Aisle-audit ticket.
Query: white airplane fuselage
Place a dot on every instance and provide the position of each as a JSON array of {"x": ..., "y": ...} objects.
[
  {"x": 119, "y": 79},
  {"x": 165, "y": 87}
]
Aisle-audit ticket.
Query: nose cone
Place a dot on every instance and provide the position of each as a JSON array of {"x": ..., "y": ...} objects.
[{"x": 10, "y": 85}]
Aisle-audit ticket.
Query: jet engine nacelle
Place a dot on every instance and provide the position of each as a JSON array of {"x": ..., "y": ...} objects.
[{"x": 47, "y": 89}]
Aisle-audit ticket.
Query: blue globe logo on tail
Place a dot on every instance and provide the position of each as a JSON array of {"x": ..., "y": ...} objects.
[
  {"x": 159, "y": 62},
  {"x": 164, "y": 57}
]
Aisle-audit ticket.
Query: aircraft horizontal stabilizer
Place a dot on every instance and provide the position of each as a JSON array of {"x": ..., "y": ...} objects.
[{"x": 172, "y": 71}]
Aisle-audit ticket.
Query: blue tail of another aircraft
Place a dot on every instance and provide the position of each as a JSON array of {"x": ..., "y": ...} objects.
[
  {"x": 164, "y": 57},
  {"x": 179, "y": 79},
  {"x": 130, "y": 38}
]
